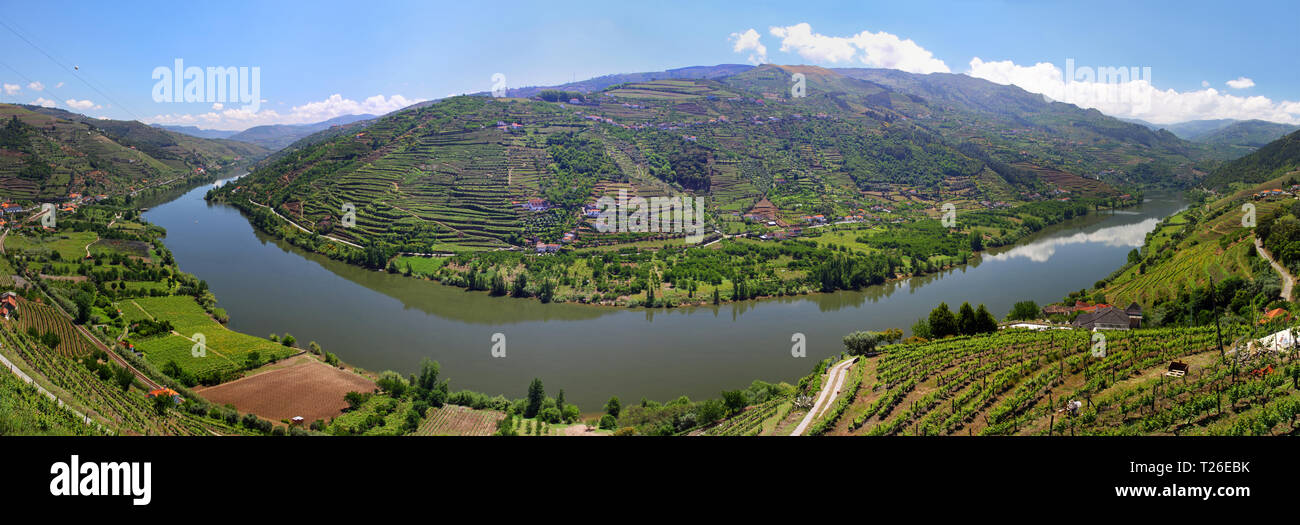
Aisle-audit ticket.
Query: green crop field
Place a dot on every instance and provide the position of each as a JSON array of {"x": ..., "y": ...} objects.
[{"x": 226, "y": 349}]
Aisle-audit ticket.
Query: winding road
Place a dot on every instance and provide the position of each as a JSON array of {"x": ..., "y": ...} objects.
[
  {"x": 1287, "y": 280},
  {"x": 830, "y": 390}
]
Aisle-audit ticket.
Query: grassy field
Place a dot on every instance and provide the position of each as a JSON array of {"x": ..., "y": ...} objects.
[
  {"x": 226, "y": 349},
  {"x": 71, "y": 246}
]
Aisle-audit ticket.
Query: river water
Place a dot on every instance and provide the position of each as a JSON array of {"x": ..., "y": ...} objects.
[{"x": 378, "y": 321}]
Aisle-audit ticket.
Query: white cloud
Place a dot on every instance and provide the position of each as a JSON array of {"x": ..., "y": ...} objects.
[
  {"x": 1241, "y": 83},
  {"x": 217, "y": 106},
  {"x": 79, "y": 104},
  {"x": 1205, "y": 83},
  {"x": 749, "y": 41},
  {"x": 1134, "y": 96},
  {"x": 36, "y": 86},
  {"x": 333, "y": 106},
  {"x": 12, "y": 89},
  {"x": 43, "y": 102},
  {"x": 880, "y": 49},
  {"x": 59, "y": 85}
]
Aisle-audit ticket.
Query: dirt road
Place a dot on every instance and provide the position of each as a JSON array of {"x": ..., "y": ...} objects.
[{"x": 830, "y": 390}]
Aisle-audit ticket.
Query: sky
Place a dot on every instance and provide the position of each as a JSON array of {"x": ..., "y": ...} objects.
[{"x": 317, "y": 60}]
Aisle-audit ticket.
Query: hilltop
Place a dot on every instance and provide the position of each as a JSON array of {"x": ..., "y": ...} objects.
[
  {"x": 47, "y": 153},
  {"x": 453, "y": 173}
]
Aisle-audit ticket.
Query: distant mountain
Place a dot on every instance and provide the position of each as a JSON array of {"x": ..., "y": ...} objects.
[
  {"x": 1194, "y": 130},
  {"x": 195, "y": 131},
  {"x": 279, "y": 136},
  {"x": 46, "y": 153},
  {"x": 1271, "y": 161},
  {"x": 1248, "y": 133},
  {"x": 599, "y": 83}
]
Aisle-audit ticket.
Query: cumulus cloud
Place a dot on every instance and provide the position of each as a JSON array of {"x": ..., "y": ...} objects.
[
  {"x": 333, "y": 106},
  {"x": 36, "y": 86},
  {"x": 1241, "y": 83},
  {"x": 749, "y": 41},
  {"x": 12, "y": 89},
  {"x": 43, "y": 102},
  {"x": 880, "y": 49},
  {"x": 79, "y": 104},
  {"x": 217, "y": 106},
  {"x": 1133, "y": 95}
]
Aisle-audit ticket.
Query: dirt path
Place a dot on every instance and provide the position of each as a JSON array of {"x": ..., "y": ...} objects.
[
  {"x": 1287, "y": 280},
  {"x": 834, "y": 382},
  {"x": 305, "y": 230}
]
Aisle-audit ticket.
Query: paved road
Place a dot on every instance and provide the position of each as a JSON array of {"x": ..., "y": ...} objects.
[
  {"x": 1287, "y": 280},
  {"x": 830, "y": 390}
]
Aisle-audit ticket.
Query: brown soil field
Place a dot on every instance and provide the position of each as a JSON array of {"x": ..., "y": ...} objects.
[{"x": 300, "y": 386}]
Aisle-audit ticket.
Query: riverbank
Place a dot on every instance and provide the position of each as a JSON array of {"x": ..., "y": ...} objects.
[{"x": 670, "y": 274}]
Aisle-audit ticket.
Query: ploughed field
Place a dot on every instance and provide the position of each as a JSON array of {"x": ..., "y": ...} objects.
[{"x": 302, "y": 386}]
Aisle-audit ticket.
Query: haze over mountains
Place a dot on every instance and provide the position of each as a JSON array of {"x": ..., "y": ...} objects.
[{"x": 273, "y": 137}]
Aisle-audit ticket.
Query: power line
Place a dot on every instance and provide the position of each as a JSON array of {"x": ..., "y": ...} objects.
[{"x": 71, "y": 71}]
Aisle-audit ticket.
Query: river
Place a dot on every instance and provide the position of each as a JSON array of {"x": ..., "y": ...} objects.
[{"x": 379, "y": 321}]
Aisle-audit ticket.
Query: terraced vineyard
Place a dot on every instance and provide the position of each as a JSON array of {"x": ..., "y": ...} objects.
[
  {"x": 128, "y": 411},
  {"x": 754, "y": 420},
  {"x": 454, "y": 420},
  {"x": 1017, "y": 382},
  {"x": 45, "y": 318},
  {"x": 1195, "y": 246}
]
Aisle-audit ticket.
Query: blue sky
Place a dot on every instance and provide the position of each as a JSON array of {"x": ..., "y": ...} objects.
[{"x": 403, "y": 52}]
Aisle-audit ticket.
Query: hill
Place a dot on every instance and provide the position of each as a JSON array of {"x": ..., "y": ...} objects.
[
  {"x": 279, "y": 136},
  {"x": 195, "y": 131},
  {"x": 47, "y": 153},
  {"x": 1268, "y": 162},
  {"x": 452, "y": 173},
  {"x": 1250, "y": 134}
]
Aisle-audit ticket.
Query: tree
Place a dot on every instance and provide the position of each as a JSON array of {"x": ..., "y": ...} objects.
[
  {"x": 355, "y": 399},
  {"x": 123, "y": 377},
  {"x": 161, "y": 403},
  {"x": 942, "y": 322},
  {"x": 921, "y": 329},
  {"x": 985, "y": 323},
  {"x": 498, "y": 285},
  {"x": 1023, "y": 311},
  {"x": 536, "y": 396},
  {"x": 613, "y": 407},
  {"x": 966, "y": 320},
  {"x": 976, "y": 241},
  {"x": 520, "y": 288},
  {"x": 734, "y": 400},
  {"x": 288, "y": 340},
  {"x": 862, "y": 343},
  {"x": 393, "y": 383}
]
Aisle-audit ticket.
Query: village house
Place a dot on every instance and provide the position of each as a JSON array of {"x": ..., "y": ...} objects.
[
  {"x": 536, "y": 204},
  {"x": 8, "y": 304},
  {"x": 1107, "y": 318},
  {"x": 1134, "y": 312}
]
